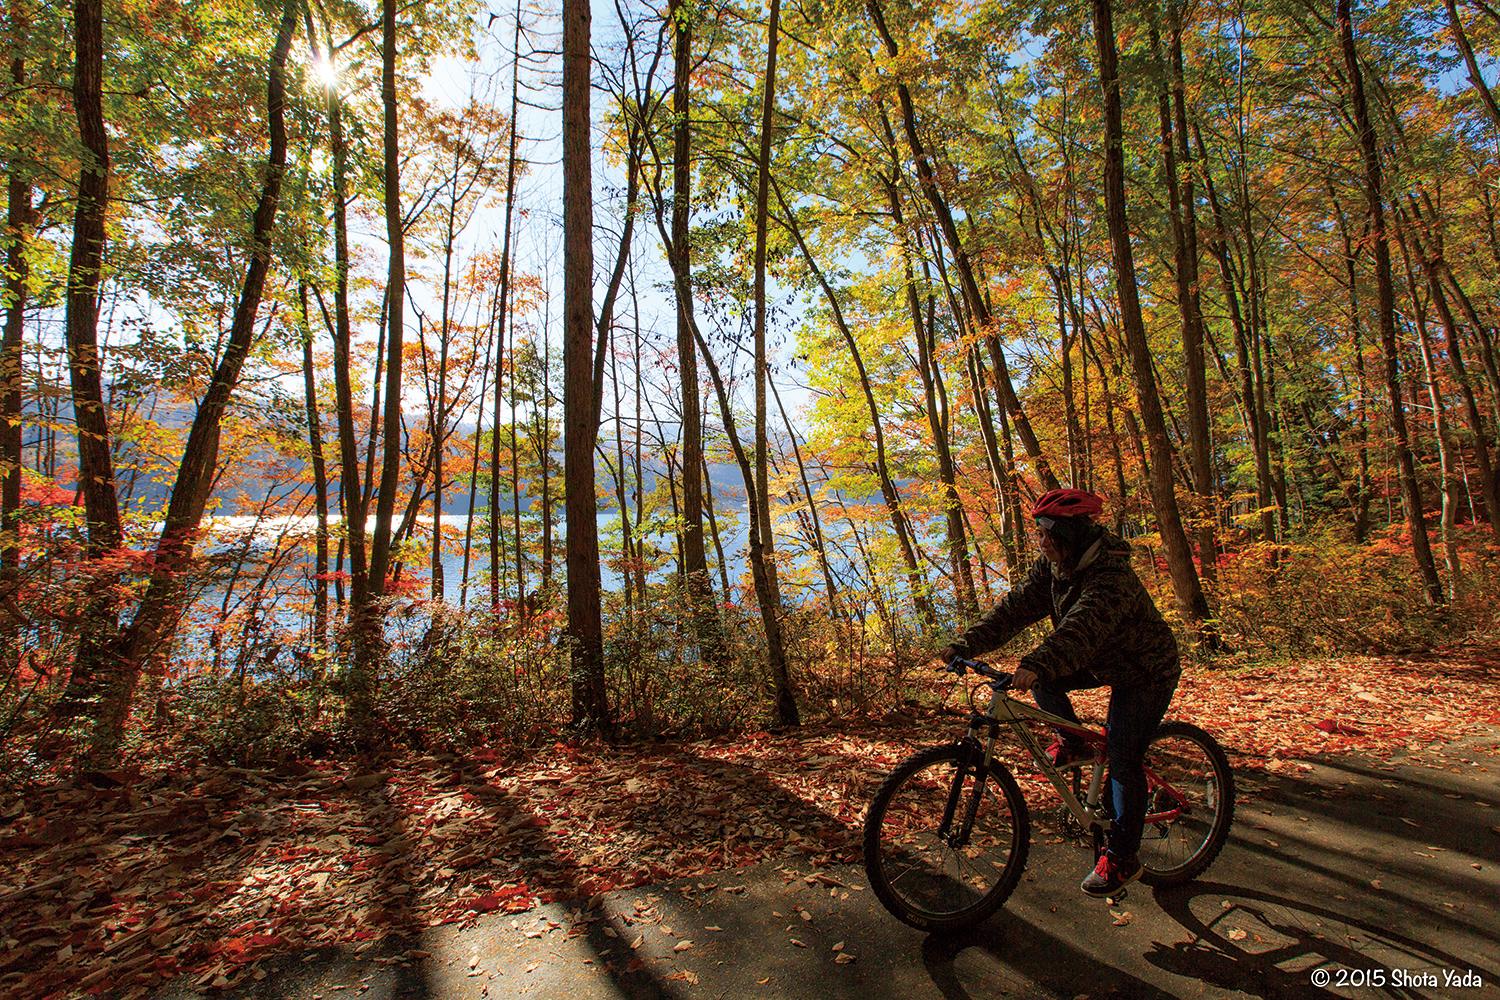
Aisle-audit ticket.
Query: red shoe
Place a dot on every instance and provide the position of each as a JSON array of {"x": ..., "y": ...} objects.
[
  {"x": 1110, "y": 876},
  {"x": 1063, "y": 753}
]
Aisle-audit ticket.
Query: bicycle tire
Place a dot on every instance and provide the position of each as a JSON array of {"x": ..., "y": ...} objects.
[
  {"x": 939, "y": 765},
  {"x": 1216, "y": 776}
]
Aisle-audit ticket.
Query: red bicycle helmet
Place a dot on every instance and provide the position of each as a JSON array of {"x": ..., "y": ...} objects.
[{"x": 1068, "y": 503}]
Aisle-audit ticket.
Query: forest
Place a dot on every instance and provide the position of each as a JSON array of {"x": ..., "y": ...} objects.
[
  {"x": 409, "y": 377},
  {"x": 389, "y": 384}
]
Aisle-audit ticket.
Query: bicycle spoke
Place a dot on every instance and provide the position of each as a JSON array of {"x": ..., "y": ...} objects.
[{"x": 1185, "y": 788}]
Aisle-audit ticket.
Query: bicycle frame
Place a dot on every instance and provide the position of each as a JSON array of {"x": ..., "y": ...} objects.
[
  {"x": 1089, "y": 811},
  {"x": 1005, "y": 710}
]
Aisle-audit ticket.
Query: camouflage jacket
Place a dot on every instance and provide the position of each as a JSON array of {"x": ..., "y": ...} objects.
[{"x": 1102, "y": 616}]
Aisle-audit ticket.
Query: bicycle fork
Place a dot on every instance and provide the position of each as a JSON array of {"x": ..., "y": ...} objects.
[{"x": 973, "y": 757}]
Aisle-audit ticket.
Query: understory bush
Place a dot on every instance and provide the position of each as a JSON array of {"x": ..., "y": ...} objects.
[{"x": 1324, "y": 595}]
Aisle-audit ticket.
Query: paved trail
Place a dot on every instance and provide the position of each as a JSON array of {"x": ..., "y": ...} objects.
[{"x": 1353, "y": 868}]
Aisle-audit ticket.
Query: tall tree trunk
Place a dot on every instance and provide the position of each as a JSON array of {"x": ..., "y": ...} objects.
[
  {"x": 639, "y": 480},
  {"x": 94, "y": 669},
  {"x": 369, "y": 626},
  {"x": 1016, "y": 509},
  {"x": 480, "y": 399},
  {"x": 767, "y": 592},
  {"x": 763, "y": 542},
  {"x": 1386, "y": 308},
  {"x": 585, "y": 626},
  {"x": 1116, "y": 455},
  {"x": 1362, "y": 487},
  {"x": 1219, "y": 246},
  {"x": 1448, "y": 474},
  {"x": 1481, "y": 332},
  {"x": 149, "y": 633},
  {"x": 544, "y": 456},
  {"x": 320, "y": 476},
  {"x": 1185, "y": 255},
  {"x": 935, "y": 398},
  {"x": 20, "y": 217},
  {"x": 628, "y": 557},
  {"x": 95, "y": 461},
  {"x": 518, "y": 543},
  {"x": 1065, "y": 340},
  {"x": 439, "y": 411},
  {"x": 694, "y": 553},
  {"x": 1001, "y": 473},
  {"x": 1059, "y": 273},
  {"x": 350, "y": 491},
  {"x": 1185, "y": 584},
  {"x": 503, "y": 319}
]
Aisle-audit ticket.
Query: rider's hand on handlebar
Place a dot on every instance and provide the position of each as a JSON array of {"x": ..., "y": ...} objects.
[
  {"x": 945, "y": 656},
  {"x": 1022, "y": 680}
]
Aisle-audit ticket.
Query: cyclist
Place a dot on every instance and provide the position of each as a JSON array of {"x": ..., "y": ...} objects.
[{"x": 1106, "y": 631}]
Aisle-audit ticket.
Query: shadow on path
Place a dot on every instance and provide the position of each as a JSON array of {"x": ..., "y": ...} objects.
[
  {"x": 1268, "y": 944},
  {"x": 1042, "y": 958},
  {"x": 1295, "y": 891}
]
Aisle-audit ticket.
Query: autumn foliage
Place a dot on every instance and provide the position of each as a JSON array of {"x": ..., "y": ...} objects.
[{"x": 278, "y": 488}]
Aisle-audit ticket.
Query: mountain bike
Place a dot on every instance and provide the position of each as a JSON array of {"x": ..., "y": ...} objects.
[{"x": 947, "y": 835}]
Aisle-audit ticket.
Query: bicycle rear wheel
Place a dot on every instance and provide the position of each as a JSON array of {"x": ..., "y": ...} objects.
[
  {"x": 934, "y": 878},
  {"x": 1189, "y": 804}
]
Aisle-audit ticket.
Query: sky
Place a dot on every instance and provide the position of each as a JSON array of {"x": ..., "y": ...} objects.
[{"x": 538, "y": 239}]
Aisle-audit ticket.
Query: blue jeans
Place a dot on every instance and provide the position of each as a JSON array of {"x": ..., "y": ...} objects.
[{"x": 1134, "y": 714}]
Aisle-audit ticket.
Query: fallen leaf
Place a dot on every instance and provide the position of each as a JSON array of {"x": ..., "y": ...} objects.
[
  {"x": 1121, "y": 917},
  {"x": 683, "y": 945},
  {"x": 1236, "y": 934}
]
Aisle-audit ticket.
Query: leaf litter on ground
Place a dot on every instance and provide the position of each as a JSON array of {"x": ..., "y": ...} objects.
[{"x": 206, "y": 873}]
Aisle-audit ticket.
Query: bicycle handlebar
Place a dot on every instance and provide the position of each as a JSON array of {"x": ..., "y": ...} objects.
[{"x": 1000, "y": 680}]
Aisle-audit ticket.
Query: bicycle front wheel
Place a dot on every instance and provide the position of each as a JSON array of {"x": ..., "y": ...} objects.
[
  {"x": 1189, "y": 804},
  {"x": 931, "y": 866}
]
